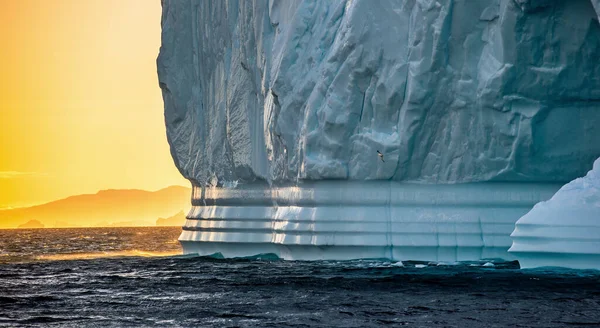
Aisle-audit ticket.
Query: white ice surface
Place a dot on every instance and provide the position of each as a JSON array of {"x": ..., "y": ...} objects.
[{"x": 565, "y": 230}]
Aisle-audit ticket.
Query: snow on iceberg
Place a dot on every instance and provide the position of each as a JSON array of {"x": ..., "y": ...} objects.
[{"x": 565, "y": 230}]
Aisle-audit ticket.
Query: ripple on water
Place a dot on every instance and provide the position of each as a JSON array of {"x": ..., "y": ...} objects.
[{"x": 134, "y": 280}]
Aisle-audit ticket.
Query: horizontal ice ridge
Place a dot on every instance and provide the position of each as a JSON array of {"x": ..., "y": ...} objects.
[
  {"x": 377, "y": 193},
  {"x": 377, "y": 219}
]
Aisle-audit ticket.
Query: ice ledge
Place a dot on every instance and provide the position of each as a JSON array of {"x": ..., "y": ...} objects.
[
  {"x": 564, "y": 231},
  {"x": 345, "y": 220}
]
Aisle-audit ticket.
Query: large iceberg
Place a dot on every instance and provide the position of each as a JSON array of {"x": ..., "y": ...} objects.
[
  {"x": 565, "y": 230},
  {"x": 275, "y": 111}
]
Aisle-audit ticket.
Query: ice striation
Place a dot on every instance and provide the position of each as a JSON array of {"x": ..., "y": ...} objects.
[
  {"x": 345, "y": 220},
  {"x": 565, "y": 230},
  {"x": 275, "y": 111}
]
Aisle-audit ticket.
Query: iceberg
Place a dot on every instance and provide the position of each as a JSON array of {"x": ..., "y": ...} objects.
[
  {"x": 276, "y": 111},
  {"x": 565, "y": 230}
]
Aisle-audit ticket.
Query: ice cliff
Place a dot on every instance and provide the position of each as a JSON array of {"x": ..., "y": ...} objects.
[
  {"x": 450, "y": 91},
  {"x": 565, "y": 230},
  {"x": 275, "y": 111}
]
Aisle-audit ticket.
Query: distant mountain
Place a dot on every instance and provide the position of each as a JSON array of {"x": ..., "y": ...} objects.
[
  {"x": 107, "y": 207},
  {"x": 175, "y": 220},
  {"x": 31, "y": 224}
]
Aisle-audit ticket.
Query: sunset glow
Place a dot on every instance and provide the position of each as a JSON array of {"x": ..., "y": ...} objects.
[{"x": 80, "y": 103}]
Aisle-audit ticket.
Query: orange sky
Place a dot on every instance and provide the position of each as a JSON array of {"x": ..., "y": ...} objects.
[{"x": 79, "y": 99}]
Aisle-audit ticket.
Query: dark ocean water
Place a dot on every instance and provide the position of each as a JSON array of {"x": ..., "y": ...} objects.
[{"x": 125, "y": 277}]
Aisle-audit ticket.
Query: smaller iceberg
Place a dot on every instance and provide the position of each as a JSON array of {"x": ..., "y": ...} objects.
[{"x": 565, "y": 230}]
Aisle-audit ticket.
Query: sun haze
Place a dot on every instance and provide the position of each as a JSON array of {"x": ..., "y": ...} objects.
[{"x": 79, "y": 97}]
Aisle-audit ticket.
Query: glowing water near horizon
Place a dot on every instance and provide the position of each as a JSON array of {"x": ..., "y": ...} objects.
[{"x": 28, "y": 245}]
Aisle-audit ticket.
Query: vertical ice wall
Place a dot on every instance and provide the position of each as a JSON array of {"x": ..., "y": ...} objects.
[{"x": 450, "y": 91}]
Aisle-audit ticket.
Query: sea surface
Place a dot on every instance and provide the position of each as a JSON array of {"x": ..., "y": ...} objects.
[{"x": 136, "y": 277}]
